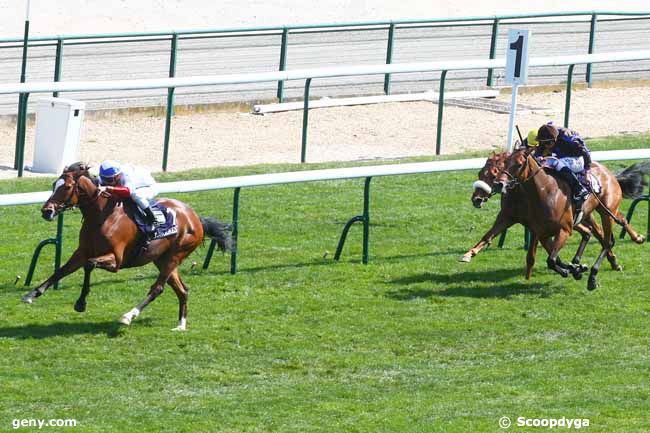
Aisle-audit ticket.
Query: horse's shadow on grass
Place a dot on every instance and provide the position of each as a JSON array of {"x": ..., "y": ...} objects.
[
  {"x": 111, "y": 329},
  {"x": 477, "y": 284}
]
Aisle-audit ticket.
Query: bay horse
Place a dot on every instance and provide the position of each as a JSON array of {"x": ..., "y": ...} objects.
[
  {"x": 550, "y": 212},
  {"x": 514, "y": 211},
  {"x": 109, "y": 239}
]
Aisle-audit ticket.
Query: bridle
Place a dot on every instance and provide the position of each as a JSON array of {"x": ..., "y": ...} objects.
[
  {"x": 62, "y": 206},
  {"x": 514, "y": 180}
]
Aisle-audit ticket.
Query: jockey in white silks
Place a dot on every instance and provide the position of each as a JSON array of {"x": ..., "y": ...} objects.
[{"x": 127, "y": 181}]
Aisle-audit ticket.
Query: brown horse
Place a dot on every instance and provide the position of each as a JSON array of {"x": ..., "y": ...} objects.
[
  {"x": 550, "y": 210},
  {"x": 109, "y": 239},
  {"x": 514, "y": 210}
]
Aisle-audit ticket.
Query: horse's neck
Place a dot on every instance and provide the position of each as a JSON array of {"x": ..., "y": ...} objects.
[
  {"x": 93, "y": 206},
  {"x": 541, "y": 184}
]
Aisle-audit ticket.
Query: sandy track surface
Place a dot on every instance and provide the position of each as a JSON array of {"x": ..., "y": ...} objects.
[{"x": 390, "y": 130}]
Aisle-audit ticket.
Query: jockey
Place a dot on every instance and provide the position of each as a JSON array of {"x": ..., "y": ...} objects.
[
  {"x": 565, "y": 151},
  {"x": 124, "y": 181}
]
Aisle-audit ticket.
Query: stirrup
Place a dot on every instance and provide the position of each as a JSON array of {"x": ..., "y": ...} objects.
[{"x": 578, "y": 218}]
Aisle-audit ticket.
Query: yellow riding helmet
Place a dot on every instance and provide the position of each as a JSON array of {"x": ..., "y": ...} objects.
[{"x": 532, "y": 138}]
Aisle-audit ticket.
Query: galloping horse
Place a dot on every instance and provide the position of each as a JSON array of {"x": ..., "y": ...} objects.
[
  {"x": 550, "y": 212},
  {"x": 514, "y": 210},
  {"x": 109, "y": 239}
]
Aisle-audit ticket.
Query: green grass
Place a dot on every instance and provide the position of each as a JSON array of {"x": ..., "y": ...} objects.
[{"x": 294, "y": 342}]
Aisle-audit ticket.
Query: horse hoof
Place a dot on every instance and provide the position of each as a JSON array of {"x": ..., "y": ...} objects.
[
  {"x": 592, "y": 284},
  {"x": 125, "y": 320},
  {"x": 179, "y": 329},
  {"x": 618, "y": 268},
  {"x": 466, "y": 258},
  {"x": 28, "y": 299},
  {"x": 577, "y": 276},
  {"x": 80, "y": 307}
]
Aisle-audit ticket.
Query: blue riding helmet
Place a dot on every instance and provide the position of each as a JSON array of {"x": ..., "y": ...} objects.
[{"x": 109, "y": 170}]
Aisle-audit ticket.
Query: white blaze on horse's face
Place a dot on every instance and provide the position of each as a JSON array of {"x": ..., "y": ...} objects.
[{"x": 58, "y": 184}]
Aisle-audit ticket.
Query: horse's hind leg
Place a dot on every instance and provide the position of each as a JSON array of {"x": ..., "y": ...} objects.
[
  {"x": 585, "y": 232},
  {"x": 637, "y": 238},
  {"x": 166, "y": 266},
  {"x": 608, "y": 245},
  {"x": 155, "y": 291},
  {"x": 181, "y": 292}
]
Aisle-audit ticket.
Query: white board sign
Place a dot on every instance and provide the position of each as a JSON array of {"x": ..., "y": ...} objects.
[{"x": 517, "y": 56}]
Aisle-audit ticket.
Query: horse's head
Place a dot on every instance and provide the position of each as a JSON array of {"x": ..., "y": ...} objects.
[
  {"x": 484, "y": 186},
  {"x": 517, "y": 168},
  {"x": 71, "y": 188}
]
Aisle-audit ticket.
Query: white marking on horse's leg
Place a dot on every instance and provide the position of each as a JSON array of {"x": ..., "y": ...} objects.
[
  {"x": 466, "y": 258},
  {"x": 128, "y": 317},
  {"x": 182, "y": 325}
]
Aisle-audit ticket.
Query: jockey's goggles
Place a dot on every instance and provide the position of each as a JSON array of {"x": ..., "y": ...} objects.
[{"x": 110, "y": 180}]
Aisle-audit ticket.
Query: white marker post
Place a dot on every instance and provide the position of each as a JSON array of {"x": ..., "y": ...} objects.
[{"x": 516, "y": 72}]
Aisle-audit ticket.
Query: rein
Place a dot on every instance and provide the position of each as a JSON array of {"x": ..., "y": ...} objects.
[{"x": 514, "y": 181}]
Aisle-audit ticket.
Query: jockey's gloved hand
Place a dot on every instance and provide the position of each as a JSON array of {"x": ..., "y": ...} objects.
[{"x": 104, "y": 190}]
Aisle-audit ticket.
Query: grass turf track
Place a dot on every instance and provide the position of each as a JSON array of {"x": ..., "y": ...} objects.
[{"x": 413, "y": 342}]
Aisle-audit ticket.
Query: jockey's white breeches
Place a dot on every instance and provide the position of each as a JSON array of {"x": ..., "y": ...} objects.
[
  {"x": 144, "y": 196},
  {"x": 575, "y": 164}
]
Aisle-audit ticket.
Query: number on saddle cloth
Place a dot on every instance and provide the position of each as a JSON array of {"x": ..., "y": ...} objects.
[{"x": 165, "y": 217}]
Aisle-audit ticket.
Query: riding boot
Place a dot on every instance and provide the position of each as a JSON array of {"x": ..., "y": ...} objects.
[
  {"x": 580, "y": 193},
  {"x": 152, "y": 222}
]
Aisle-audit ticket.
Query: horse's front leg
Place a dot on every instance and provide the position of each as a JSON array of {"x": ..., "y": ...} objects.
[
  {"x": 530, "y": 255},
  {"x": 502, "y": 222},
  {"x": 553, "y": 262},
  {"x": 107, "y": 262},
  {"x": 75, "y": 262}
]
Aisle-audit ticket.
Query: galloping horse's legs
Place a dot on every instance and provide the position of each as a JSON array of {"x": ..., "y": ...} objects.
[
  {"x": 608, "y": 245},
  {"x": 585, "y": 232},
  {"x": 598, "y": 234},
  {"x": 502, "y": 222},
  {"x": 75, "y": 262},
  {"x": 637, "y": 238},
  {"x": 181, "y": 292},
  {"x": 166, "y": 266},
  {"x": 80, "y": 305},
  {"x": 556, "y": 245},
  {"x": 530, "y": 256},
  {"x": 105, "y": 262}
]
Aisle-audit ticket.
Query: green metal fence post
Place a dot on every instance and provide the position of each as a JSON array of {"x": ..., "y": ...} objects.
[
  {"x": 21, "y": 98},
  {"x": 592, "y": 39},
  {"x": 441, "y": 104},
  {"x": 58, "y": 245},
  {"x": 58, "y": 63},
  {"x": 493, "y": 49},
  {"x": 170, "y": 100},
  {"x": 567, "y": 104},
  {"x": 283, "y": 61},
  {"x": 365, "y": 219},
  {"x": 305, "y": 121},
  {"x": 21, "y": 134},
  {"x": 235, "y": 232},
  {"x": 389, "y": 56}
]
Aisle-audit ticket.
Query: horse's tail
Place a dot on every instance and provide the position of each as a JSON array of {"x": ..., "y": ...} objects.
[
  {"x": 632, "y": 179},
  {"x": 219, "y": 232}
]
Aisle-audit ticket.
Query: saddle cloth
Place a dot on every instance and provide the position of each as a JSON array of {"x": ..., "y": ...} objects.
[
  {"x": 165, "y": 217},
  {"x": 591, "y": 182}
]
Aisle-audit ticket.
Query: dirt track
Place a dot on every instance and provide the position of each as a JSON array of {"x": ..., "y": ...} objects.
[{"x": 390, "y": 130}]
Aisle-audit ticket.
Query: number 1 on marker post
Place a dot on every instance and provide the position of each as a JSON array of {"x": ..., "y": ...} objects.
[{"x": 516, "y": 72}]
